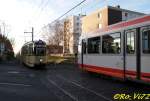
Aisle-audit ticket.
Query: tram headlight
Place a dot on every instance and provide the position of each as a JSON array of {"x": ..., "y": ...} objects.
[{"x": 41, "y": 60}]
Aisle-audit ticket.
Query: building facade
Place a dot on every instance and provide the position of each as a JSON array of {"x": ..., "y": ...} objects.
[
  {"x": 108, "y": 15},
  {"x": 72, "y": 31},
  {"x": 54, "y": 49},
  {"x": 2, "y": 48},
  {"x": 6, "y": 49}
]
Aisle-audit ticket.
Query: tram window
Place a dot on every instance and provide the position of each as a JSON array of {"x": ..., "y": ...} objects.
[
  {"x": 111, "y": 43},
  {"x": 84, "y": 47},
  {"x": 94, "y": 45},
  {"x": 24, "y": 50},
  {"x": 30, "y": 49},
  {"x": 130, "y": 42},
  {"x": 146, "y": 41},
  {"x": 27, "y": 50},
  {"x": 40, "y": 51}
]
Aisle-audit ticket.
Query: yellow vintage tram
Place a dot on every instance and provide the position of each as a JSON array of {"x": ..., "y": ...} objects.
[{"x": 34, "y": 53}]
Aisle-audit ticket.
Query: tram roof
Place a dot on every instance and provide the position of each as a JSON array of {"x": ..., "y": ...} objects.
[
  {"x": 120, "y": 25},
  {"x": 35, "y": 42}
]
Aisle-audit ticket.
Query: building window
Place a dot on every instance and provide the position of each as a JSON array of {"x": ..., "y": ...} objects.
[
  {"x": 99, "y": 26},
  {"x": 126, "y": 14},
  {"x": 99, "y": 15},
  {"x": 146, "y": 41},
  {"x": 94, "y": 45},
  {"x": 77, "y": 29},
  {"x": 111, "y": 43},
  {"x": 77, "y": 24},
  {"x": 130, "y": 42}
]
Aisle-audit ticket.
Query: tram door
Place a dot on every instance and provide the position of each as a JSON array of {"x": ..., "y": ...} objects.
[
  {"x": 145, "y": 53},
  {"x": 130, "y": 54}
]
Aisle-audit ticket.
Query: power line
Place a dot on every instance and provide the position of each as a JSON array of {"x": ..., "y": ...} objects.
[
  {"x": 93, "y": 6},
  {"x": 88, "y": 6},
  {"x": 38, "y": 11},
  {"x": 69, "y": 11},
  {"x": 66, "y": 12},
  {"x": 43, "y": 6}
]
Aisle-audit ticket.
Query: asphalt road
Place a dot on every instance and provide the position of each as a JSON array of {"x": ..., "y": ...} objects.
[{"x": 60, "y": 82}]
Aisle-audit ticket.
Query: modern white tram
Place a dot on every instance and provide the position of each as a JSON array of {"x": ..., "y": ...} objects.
[{"x": 121, "y": 50}]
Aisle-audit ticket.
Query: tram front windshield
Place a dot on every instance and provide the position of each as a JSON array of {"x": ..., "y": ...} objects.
[{"x": 40, "y": 51}]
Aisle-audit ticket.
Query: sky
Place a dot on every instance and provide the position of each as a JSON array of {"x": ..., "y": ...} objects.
[{"x": 21, "y": 15}]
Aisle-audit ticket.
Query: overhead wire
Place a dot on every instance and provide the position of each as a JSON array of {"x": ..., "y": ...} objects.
[
  {"x": 66, "y": 12},
  {"x": 41, "y": 6},
  {"x": 77, "y": 5},
  {"x": 69, "y": 11}
]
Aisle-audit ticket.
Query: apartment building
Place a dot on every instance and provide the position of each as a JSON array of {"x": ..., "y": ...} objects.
[
  {"x": 108, "y": 15},
  {"x": 72, "y": 31}
]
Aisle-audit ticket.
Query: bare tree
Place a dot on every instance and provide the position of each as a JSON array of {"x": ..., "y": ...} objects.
[
  {"x": 5, "y": 28},
  {"x": 4, "y": 31},
  {"x": 8, "y": 43},
  {"x": 12, "y": 41},
  {"x": 58, "y": 32},
  {"x": 53, "y": 33}
]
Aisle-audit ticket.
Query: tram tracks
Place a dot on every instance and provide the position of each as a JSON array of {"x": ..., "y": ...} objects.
[
  {"x": 74, "y": 90},
  {"x": 79, "y": 85},
  {"x": 63, "y": 90}
]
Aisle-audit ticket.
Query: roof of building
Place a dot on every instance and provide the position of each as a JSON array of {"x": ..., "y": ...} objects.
[
  {"x": 115, "y": 8},
  {"x": 122, "y": 24},
  {"x": 121, "y": 9}
]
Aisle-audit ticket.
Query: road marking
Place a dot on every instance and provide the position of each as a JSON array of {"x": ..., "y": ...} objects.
[
  {"x": 13, "y": 72},
  {"x": 63, "y": 90},
  {"x": 100, "y": 95},
  {"x": 17, "y": 72},
  {"x": 14, "y": 84}
]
